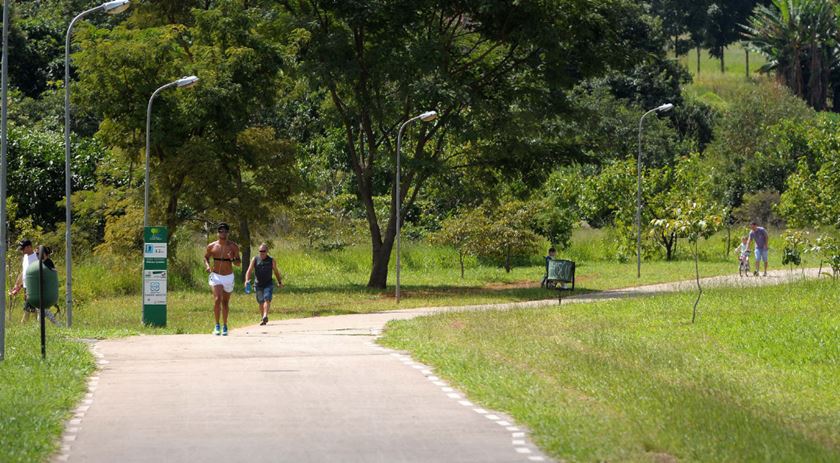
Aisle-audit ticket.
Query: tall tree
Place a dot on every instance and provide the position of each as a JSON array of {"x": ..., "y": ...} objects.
[
  {"x": 203, "y": 144},
  {"x": 682, "y": 21},
  {"x": 493, "y": 71},
  {"x": 724, "y": 20}
]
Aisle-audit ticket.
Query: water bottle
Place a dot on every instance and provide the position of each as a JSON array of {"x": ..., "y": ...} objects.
[{"x": 248, "y": 287}]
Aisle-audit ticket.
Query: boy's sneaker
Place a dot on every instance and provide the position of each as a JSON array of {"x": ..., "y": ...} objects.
[
  {"x": 224, "y": 330},
  {"x": 755, "y": 274},
  {"x": 217, "y": 330},
  {"x": 264, "y": 321}
]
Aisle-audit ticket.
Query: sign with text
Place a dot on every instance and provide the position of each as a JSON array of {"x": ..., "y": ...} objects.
[
  {"x": 154, "y": 287},
  {"x": 154, "y": 275},
  {"x": 154, "y": 251}
]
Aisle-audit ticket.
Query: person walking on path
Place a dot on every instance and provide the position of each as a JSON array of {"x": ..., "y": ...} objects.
[
  {"x": 28, "y": 257},
  {"x": 225, "y": 255},
  {"x": 759, "y": 236},
  {"x": 262, "y": 266}
]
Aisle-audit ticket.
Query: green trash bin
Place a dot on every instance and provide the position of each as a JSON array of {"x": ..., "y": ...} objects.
[{"x": 33, "y": 285}]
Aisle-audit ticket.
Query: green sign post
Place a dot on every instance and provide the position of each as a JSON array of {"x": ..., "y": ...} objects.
[{"x": 154, "y": 276}]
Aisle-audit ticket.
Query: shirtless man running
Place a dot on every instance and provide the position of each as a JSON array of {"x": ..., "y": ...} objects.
[{"x": 225, "y": 254}]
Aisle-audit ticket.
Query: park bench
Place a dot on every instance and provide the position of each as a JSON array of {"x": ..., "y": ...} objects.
[{"x": 561, "y": 276}]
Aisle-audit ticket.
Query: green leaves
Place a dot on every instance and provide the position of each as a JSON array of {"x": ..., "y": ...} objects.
[
  {"x": 799, "y": 37},
  {"x": 497, "y": 234},
  {"x": 692, "y": 220},
  {"x": 813, "y": 190}
]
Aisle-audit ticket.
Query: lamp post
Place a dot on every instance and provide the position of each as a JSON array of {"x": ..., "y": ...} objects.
[
  {"x": 112, "y": 7},
  {"x": 3, "y": 150},
  {"x": 659, "y": 109},
  {"x": 427, "y": 116},
  {"x": 183, "y": 82}
]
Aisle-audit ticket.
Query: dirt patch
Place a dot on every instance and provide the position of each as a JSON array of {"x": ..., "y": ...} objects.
[
  {"x": 457, "y": 325},
  {"x": 522, "y": 284}
]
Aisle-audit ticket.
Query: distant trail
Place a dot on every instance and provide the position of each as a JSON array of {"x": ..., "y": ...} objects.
[{"x": 301, "y": 390}]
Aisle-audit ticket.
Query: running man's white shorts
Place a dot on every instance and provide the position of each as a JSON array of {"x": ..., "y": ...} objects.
[{"x": 226, "y": 281}]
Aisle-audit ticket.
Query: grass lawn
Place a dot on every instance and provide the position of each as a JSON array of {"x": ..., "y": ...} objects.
[
  {"x": 734, "y": 59},
  {"x": 755, "y": 379},
  {"x": 36, "y": 395},
  {"x": 107, "y": 304},
  {"x": 330, "y": 283},
  {"x": 191, "y": 311}
]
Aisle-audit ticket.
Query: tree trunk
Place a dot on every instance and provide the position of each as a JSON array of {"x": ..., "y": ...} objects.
[
  {"x": 244, "y": 228},
  {"x": 381, "y": 258},
  {"x": 172, "y": 218},
  {"x": 796, "y": 73},
  {"x": 461, "y": 259},
  {"x": 130, "y": 172},
  {"x": 244, "y": 244},
  {"x": 698, "y": 60},
  {"x": 816, "y": 90},
  {"x": 835, "y": 97},
  {"x": 668, "y": 241},
  {"x": 722, "y": 66},
  {"x": 747, "y": 59},
  {"x": 507, "y": 260},
  {"x": 728, "y": 241},
  {"x": 699, "y": 288}
]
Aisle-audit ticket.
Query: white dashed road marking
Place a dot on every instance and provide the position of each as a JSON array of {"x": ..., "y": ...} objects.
[{"x": 518, "y": 437}]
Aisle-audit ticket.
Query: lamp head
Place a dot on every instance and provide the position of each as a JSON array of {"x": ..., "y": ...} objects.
[
  {"x": 187, "y": 81},
  {"x": 429, "y": 116},
  {"x": 665, "y": 108},
  {"x": 116, "y": 6}
]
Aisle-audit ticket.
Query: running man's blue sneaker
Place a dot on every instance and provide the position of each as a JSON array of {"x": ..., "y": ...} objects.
[
  {"x": 217, "y": 331},
  {"x": 224, "y": 330}
]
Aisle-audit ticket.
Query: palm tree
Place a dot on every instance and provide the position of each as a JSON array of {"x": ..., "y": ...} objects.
[{"x": 799, "y": 39}]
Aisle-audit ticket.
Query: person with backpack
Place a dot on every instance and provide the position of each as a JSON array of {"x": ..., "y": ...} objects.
[{"x": 262, "y": 266}]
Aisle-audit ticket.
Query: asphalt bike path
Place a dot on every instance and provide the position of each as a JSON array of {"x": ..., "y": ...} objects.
[{"x": 299, "y": 390}]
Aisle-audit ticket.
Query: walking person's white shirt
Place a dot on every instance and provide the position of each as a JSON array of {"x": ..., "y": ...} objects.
[{"x": 25, "y": 261}]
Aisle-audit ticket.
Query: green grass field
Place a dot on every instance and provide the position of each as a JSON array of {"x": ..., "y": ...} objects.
[
  {"x": 755, "y": 379},
  {"x": 734, "y": 59},
  {"x": 320, "y": 283},
  {"x": 35, "y": 397}
]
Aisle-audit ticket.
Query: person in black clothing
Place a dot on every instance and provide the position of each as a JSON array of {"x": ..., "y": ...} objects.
[
  {"x": 262, "y": 266},
  {"x": 551, "y": 254},
  {"x": 47, "y": 261}
]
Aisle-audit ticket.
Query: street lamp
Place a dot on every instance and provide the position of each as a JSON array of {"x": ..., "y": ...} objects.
[
  {"x": 112, "y": 7},
  {"x": 183, "y": 82},
  {"x": 4, "y": 69},
  {"x": 659, "y": 109},
  {"x": 427, "y": 116}
]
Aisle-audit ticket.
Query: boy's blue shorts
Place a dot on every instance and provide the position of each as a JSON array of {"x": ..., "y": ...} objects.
[{"x": 264, "y": 294}]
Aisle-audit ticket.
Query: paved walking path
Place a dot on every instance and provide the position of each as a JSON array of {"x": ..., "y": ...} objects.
[{"x": 302, "y": 390}]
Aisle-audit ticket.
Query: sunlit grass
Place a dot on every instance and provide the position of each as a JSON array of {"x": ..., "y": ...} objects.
[
  {"x": 734, "y": 59},
  {"x": 107, "y": 303},
  {"x": 321, "y": 283},
  {"x": 755, "y": 379},
  {"x": 36, "y": 395}
]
